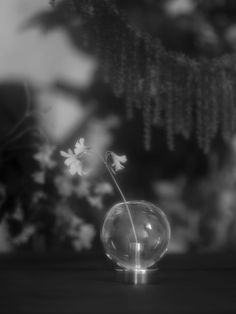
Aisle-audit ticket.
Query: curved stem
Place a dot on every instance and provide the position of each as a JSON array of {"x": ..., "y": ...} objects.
[
  {"x": 26, "y": 113},
  {"x": 121, "y": 193},
  {"x": 18, "y": 136}
]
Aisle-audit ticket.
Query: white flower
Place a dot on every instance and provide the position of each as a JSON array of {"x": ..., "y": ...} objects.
[
  {"x": 117, "y": 161},
  {"x": 75, "y": 160},
  {"x": 80, "y": 148},
  {"x": 70, "y": 157},
  {"x": 72, "y": 161}
]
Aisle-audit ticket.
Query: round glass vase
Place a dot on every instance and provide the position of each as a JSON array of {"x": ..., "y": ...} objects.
[{"x": 135, "y": 235}]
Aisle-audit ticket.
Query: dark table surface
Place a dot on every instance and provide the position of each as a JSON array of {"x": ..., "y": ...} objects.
[{"x": 85, "y": 284}]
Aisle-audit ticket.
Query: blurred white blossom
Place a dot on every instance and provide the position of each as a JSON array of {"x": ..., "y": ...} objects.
[
  {"x": 94, "y": 193},
  {"x": 84, "y": 238},
  {"x": 64, "y": 185},
  {"x": 44, "y": 156},
  {"x": 179, "y": 7},
  {"x": 37, "y": 196},
  {"x": 83, "y": 189},
  {"x": 5, "y": 239},
  {"x": 95, "y": 201},
  {"x": 103, "y": 188},
  {"x": 39, "y": 177},
  {"x": 18, "y": 213},
  {"x": 25, "y": 235},
  {"x": 230, "y": 35},
  {"x": 73, "y": 227}
]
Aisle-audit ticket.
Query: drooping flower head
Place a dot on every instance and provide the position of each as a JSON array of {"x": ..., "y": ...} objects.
[{"x": 117, "y": 161}]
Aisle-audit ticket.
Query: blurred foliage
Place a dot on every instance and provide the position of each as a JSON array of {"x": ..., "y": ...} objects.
[
  {"x": 183, "y": 95},
  {"x": 42, "y": 207},
  {"x": 197, "y": 28},
  {"x": 196, "y": 191}
]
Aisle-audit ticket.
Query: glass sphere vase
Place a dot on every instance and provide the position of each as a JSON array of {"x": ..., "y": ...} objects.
[{"x": 135, "y": 235}]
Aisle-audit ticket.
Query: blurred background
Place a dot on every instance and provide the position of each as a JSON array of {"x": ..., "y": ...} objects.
[{"x": 51, "y": 95}]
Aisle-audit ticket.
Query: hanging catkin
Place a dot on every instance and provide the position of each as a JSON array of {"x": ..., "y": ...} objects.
[
  {"x": 214, "y": 102},
  {"x": 231, "y": 105},
  {"x": 184, "y": 102},
  {"x": 169, "y": 118},
  {"x": 116, "y": 75},
  {"x": 168, "y": 98},
  {"x": 177, "y": 101},
  {"x": 136, "y": 73},
  {"x": 147, "y": 101},
  {"x": 121, "y": 63},
  {"x": 156, "y": 87},
  {"x": 225, "y": 109},
  {"x": 189, "y": 102},
  {"x": 129, "y": 89},
  {"x": 206, "y": 113},
  {"x": 233, "y": 82},
  {"x": 168, "y": 87},
  {"x": 198, "y": 111}
]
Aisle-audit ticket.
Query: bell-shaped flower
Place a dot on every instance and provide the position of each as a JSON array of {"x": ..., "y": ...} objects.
[{"x": 117, "y": 161}]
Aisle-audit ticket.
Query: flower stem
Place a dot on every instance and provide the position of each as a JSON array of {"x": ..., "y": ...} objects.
[
  {"x": 26, "y": 113},
  {"x": 121, "y": 193},
  {"x": 18, "y": 136}
]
